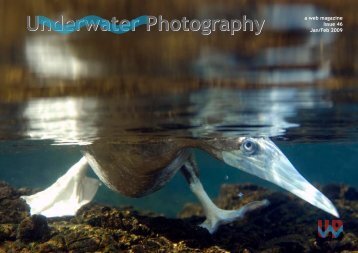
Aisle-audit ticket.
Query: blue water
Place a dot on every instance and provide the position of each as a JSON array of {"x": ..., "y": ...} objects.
[{"x": 39, "y": 166}]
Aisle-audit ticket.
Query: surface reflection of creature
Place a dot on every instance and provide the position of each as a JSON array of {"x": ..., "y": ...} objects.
[{"x": 138, "y": 169}]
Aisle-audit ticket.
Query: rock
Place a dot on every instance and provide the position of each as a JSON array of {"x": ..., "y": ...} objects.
[
  {"x": 351, "y": 194},
  {"x": 7, "y": 232},
  {"x": 332, "y": 191},
  {"x": 12, "y": 208},
  {"x": 347, "y": 243},
  {"x": 5, "y": 190},
  {"x": 287, "y": 225},
  {"x": 34, "y": 228}
]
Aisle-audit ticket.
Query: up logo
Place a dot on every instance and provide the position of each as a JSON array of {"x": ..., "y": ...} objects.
[{"x": 324, "y": 227}]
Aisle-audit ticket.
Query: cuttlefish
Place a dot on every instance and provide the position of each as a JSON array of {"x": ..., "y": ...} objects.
[{"x": 138, "y": 169}]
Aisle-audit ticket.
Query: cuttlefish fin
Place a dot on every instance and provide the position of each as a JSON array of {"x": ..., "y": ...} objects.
[{"x": 68, "y": 194}]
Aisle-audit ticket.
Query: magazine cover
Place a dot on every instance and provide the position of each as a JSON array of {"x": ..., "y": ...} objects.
[{"x": 178, "y": 126}]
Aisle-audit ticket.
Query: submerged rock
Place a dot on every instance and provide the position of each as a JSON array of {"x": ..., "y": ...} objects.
[
  {"x": 287, "y": 225},
  {"x": 34, "y": 228}
]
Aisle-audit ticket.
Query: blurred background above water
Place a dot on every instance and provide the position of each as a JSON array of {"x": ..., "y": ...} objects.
[
  {"x": 297, "y": 87},
  {"x": 48, "y": 64}
]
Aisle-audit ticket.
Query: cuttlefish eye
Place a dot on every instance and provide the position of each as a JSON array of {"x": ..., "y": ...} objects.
[{"x": 249, "y": 147}]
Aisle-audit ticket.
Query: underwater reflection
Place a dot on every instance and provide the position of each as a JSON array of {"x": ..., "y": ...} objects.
[
  {"x": 203, "y": 114},
  {"x": 65, "y": 120},
  {"x": 253, "y": 112}
]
